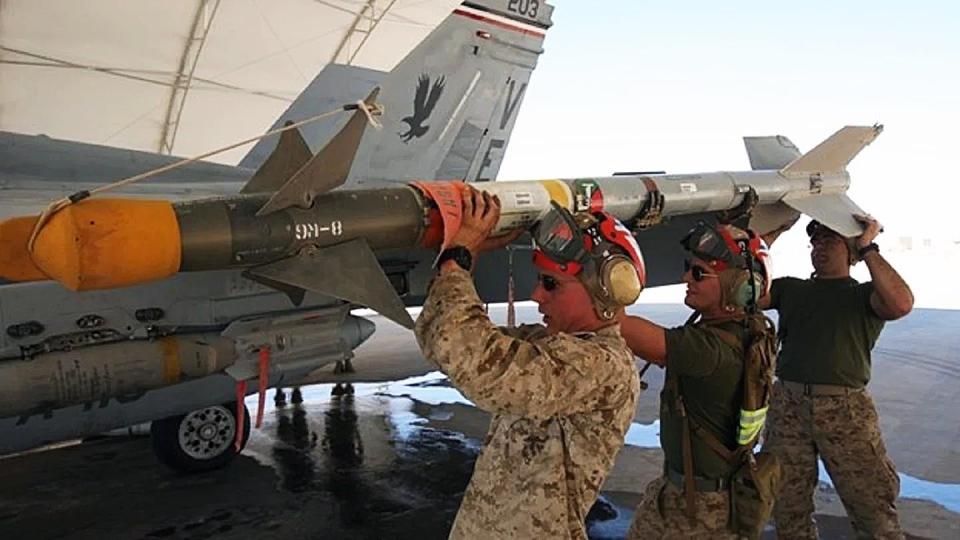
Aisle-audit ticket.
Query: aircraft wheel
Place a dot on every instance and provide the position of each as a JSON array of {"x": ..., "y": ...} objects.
[{"x": 201, "y": 440}]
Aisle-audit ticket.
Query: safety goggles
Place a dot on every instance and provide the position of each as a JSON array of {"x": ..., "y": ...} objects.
[
  {"x": 706, "y": 243},
  {"x": 557, "y": 235},
  {"x": 698, "y": 272}
]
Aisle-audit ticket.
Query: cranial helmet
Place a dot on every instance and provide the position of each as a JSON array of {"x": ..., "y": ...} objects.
[
  {"x": 737, "y": 255},
  {"x": 597, "y": 249}
]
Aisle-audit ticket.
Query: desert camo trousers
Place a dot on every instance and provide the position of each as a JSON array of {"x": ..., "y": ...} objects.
[
  {"x": 662, "y": 514},
  {"x": 845, "y": 432}
]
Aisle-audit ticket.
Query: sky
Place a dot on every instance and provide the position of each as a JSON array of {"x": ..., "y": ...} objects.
[{"x": 674, "y": 86}]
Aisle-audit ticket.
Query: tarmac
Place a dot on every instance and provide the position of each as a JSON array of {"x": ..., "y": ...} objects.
[{"x": 392, "y": 458}]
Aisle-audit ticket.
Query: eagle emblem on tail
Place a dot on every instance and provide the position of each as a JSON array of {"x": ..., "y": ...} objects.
[{"x": 424, "y": 102}]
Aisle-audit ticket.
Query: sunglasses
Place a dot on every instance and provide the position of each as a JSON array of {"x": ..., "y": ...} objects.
[
  {"x": 549, "y": 283},
  {"x": 825, "y": 237},
  {"x": 699, "y": 273}
]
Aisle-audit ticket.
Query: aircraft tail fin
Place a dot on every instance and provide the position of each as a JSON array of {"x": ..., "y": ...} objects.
[
  {"x": 833, "y": 154},
  {"x": 773, "y": 152},
  {"x": 450, "y": 104},
  {"x": 334, "y": 86}
]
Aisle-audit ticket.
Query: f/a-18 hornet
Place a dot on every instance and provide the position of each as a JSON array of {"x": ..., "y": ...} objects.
[{"x": 172, "y": 308}]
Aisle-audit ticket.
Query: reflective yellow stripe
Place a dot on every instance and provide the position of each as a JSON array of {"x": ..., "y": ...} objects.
[
  {"x": 559, "y": 192},
  {"x": 751, "y": 422},
  {"x": 747, "y": 436},
  {"x": 170, "y": 349}
]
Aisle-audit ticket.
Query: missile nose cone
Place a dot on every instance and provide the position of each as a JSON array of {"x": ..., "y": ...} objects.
[
  {"x": 355, "y": 330},
  {"x": 106, "y": 243},
  {"x": 366, "y": 327}
]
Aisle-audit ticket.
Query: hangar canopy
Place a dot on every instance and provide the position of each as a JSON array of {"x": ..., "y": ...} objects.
[{"x": 184, "y": 77}]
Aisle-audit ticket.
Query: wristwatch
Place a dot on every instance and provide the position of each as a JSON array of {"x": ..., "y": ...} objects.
[
  {"x": 457, "y": 254},
  {"x": 872, "y": 246}
]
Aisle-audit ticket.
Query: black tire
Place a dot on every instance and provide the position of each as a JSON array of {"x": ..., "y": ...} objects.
[{"x": 207, "y": 442}]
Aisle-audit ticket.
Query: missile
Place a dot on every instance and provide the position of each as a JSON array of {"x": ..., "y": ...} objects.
[
  {"x": 296, "y": 234},
  {"x": 88, "y": 375},
  {"x": 64, "y": 378}
]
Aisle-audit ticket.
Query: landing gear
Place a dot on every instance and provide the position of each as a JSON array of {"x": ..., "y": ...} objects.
[
  {"x": 342, "y": 389},
  {"x": 200, "y": 440},
  {"x": 343, "y": 366}
]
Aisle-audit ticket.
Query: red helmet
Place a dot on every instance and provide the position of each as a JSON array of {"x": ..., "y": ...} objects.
[
  {"x": 595, "y": 247},
  {"x": 726, "y": 247}
]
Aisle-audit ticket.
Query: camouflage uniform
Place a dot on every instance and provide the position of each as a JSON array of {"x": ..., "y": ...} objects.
[
  {"x": 845, "y": 431},
  {"x": 661, "y": 514},
  {"x": 561, "y": 407},
  {"x": 711, "y": 373},
  {"x": 827, "y": 329}
]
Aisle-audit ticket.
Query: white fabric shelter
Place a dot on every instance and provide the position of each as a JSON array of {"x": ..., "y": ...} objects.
[{"x": 185, "y": 76}]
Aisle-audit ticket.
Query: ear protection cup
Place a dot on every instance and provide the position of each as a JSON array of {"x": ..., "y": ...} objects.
[
  {"x": 746, "y": 294},
  {"x": 735, "y": 289},
  {"x": 619, "y": 279}
]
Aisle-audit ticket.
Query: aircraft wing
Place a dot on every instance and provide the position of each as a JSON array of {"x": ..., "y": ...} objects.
[{"x": 36, "y": 170}]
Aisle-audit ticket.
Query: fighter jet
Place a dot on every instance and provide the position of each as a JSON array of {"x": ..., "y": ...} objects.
[
  {"x": 182, "y": 352},
  {"x": 310, "y": 235}
]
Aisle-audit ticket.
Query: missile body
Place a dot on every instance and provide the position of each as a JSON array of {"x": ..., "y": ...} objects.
[
  {"x": 91, "y": 374},
  {"x": 95, "y": 374},
  {"x": 108, "y": 243},
  {"x": 224, "y": 233}
]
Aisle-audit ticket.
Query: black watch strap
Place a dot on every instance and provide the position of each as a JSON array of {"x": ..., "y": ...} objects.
[
  {"x": 457, "y": 254},
  {"x": 872, "y": 246}
]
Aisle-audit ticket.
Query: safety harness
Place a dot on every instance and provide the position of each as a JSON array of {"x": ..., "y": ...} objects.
[{"x": 758, "y": 349}]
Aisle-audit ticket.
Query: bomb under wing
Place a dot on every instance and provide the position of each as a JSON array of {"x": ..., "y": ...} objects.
[{"x": 301, "y": 236}]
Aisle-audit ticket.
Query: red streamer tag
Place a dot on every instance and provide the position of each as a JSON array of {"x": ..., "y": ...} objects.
[
  {"x": 241, "y": 393},
  {"x": 262, "y": 382},
  {"x": 449, "y": 199}
]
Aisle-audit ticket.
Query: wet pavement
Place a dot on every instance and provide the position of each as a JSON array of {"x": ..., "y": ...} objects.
[{"x": 391, "y": 460}]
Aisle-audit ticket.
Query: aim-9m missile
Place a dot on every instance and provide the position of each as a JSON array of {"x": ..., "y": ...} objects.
[{"x": 290, "y": 230}]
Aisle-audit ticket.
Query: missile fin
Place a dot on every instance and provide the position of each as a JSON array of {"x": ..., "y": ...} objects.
[
  {"x": 295, "y": 294},
  {"x": 833, "y": 154},
  {"x": 290, "y": 155},
  {"x": 770, "y": 153},
  {"x": 348, "y": 271},
  {"x": 834, "y": 210},
  {"x": 324, "y": 171}
]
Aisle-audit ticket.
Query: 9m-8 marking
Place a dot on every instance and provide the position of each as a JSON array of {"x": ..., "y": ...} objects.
[{"x": 306, "y": 231}]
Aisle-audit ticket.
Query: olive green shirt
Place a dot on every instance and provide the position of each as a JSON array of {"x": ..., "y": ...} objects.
[
  {"x": 826, "y": 329},
  {"x": 710, "y": 374}
]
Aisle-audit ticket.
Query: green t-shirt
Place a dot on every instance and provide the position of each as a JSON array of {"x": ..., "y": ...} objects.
[
  {"x": 710, "y": 373},
  {"x": 826, "y": 329}
]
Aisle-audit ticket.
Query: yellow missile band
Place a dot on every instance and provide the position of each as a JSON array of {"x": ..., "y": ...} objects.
[
  {"x": 559, "y": 192},
  {"x": 15, "y": 261},
  {"x": 108, "y": 243},
  {"x": 170, "y": 349}
]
